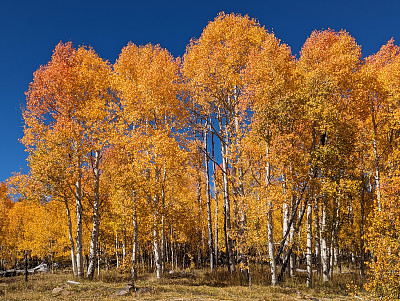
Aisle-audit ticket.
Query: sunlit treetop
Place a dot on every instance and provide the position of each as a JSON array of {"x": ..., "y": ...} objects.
[
  {"x": 214, "y": 62},
  {"x": 330, "y": 53},
  {"x": 148, "y": 82}
]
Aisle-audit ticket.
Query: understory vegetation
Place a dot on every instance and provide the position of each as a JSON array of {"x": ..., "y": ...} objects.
[{"x": 182, "y": 285}]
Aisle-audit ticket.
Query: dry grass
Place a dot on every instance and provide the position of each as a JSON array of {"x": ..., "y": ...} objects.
[{"x": 189, "y": 285}]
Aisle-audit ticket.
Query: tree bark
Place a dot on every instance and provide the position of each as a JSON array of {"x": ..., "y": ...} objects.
[
  {"x": 156, "y": 238},
  {"x": 289, "y": 252},
  {"x": 376, "y": 157},
  {"x": 98, "y": 259},
  {"x": 134, "y": 240},
  {"x": 26, "y": 265},
  {"x": 79, "y": 247},
  {"x": 270, "y": 225},
  {"x": 317, "y": 237},
  {"x": 71, "y": 239},
  {"x": 123, "y": 244},
  {"x": 162, "y": 222},
  {"x": 225, "y": 191},
  {"x": 362, "y": 216},
  {"x": 309, "y": 244},
  {"x": 216, "y": 193},
  {"x": 96, "y": 217},
  {"x": 272, "y": 262},
  {"x": 292, "y": 233},
  {"x": 116, "y": 248},
  {"x": 208, "y": 195},
  {"x": 157, "y": 251},
  {"x": 324, "y": 246}
]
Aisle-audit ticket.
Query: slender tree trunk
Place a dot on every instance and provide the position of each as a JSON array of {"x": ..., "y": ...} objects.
[
  {"x": 331, "y": 257},
  {"x": 1, "y": 258},
  {"x": 292, "y": 263},
  {"x": 98, "y": 259},
  {"x": 26, "y": 265},
  {"x": 96, "y": 218},
  {"x": 270, "y": 225},
  {"x": 362, "y": 216},
  {"x": 157, "y": 251},
  {"x": 242, "y": 230},
  {"x": 324, "y": 246},
  {"x": 173, "y": 249},
  {"x": 208, "y": 195},
  {"x": 79, "y": 246},
  {"x": 376, "y": 157},
  {"x": 162, "y": 245},
  {"x": 156, "y": 238},
  {"x": 134, "y": 240},
  {"x": 71, "y": 239},
  {"x": 285, "y": 219},
  {"x": 271, "y": 245},
  {"x": 200, "y": 215},
  {"x": 309, "y": 244},
  {"x": 216, "y": 193},
  {"x": 116, "y": 249},
  {"x": 123, "y": 245},
  {"x": 176, "y": 255},
  {"x": 289, "y": 252},
  {"x": 162, "y": 222},
  {"x": 238, "y": 193},
  {"x": 338, "y": 262},
  {"x": 292, "y": 222},
  {"x": 51, "y": 259},
  {"x": 317, "y": 237},
  {"x": 225, "y": 191}
]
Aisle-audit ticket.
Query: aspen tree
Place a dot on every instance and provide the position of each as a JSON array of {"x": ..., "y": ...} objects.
[{"x": 212, "y": 68}]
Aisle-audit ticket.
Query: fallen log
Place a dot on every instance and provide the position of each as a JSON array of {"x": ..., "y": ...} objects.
[
  {"x": 16, "y": 272},
  {"x": 72, "y": 282}
]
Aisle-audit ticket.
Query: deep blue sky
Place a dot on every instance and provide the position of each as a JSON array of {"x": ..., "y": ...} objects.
[{"x": 29, "y": 30}]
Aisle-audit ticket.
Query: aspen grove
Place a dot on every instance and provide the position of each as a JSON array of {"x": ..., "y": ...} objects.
[{"x": 236, "y": 155}]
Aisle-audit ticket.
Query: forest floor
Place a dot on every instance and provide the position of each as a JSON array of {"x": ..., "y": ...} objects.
[{"x": 187, "y": 285}]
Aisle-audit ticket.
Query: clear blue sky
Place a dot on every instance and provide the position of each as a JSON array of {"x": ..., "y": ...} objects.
[{"x": 29, "y": 30}]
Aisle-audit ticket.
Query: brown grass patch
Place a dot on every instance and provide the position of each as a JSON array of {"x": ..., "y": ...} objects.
[{"x": 181, "y": 285}]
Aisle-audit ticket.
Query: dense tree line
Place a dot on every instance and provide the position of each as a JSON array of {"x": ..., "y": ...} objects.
[{"x": 238, "y": 153}]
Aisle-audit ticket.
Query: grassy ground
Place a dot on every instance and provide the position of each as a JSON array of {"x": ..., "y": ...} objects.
[{"x": 191, "y": 285}]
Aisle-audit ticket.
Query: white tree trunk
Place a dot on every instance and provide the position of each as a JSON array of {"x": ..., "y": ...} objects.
[
  {"x": 123, "y": 244},
  {"x": 285, "y": 217},
  {"x": 96, "y": 218},
  {"x": 98, "y": 260},
  {"x": 157, "y": 251},
  {"x": 331, "y": 258},
  {"x": 292, "y": 264},
  {"x": 285, "y": 220},
  {"x": 225, "y": 191},
  {"x": 208, "y": 195},
  {"x": 376, "y": 155},
  {"x": 317, "y": 237},
  {"x": 79, "y": 246},
  {"x": 216, "y": 193},
  {"x": 71, "y": 239},
  {"x": 134, "y": 240},
  {"x": 116, "y": 249},
  {"x": 309, "y": 244},
  {"x": 271, "y": 245},
  {"x": 270, "y": 229},
  {"x": 324, "y": 246},
  {"x": 156, "y": 238},
  {"x": 362, "y": 217}
]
